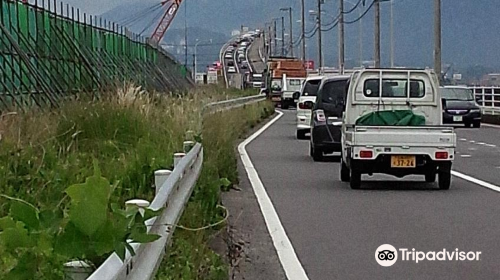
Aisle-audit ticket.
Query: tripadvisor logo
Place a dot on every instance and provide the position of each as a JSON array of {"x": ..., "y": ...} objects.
[{"x": 387, "y": 255}]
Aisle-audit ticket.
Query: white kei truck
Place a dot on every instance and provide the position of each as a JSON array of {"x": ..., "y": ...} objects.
[{"x": 393, "y": 124}]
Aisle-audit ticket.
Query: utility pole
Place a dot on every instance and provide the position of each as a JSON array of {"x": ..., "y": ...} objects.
[
  {"x": 392, "y": 33},
  {"x": 303, "y": 36},
  {"x": 274, "y": 35},
  {"x": 291, "y": 31},
  {"x": 341, "y": 38},
  {"x": 360, "y": 38},
  {"x": 377, "y": 34},
  {"x": 185, "y": 36},
  {"x": 437, "y": 39},
  {"x": 282, "y": 36},
  {"x": 290, "y": 11},
  {"x": 320, "y": 49}
]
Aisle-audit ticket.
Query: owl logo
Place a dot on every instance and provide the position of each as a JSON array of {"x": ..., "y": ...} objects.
[{"x": 386, "y": 255}]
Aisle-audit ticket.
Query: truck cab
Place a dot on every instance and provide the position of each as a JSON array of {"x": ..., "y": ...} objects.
[{"x": 393, "y": 124}]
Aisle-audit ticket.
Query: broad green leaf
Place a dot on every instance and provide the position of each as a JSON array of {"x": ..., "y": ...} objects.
[
  {"x": 25, "y": 270},
  {"x": 143, "y": 237},
  {"x": 120, "y": 250},
  {"x": 89, "y": 203},
  {"x": 104, "y": 239},
  {"x": 72, "y": 242},
  {"x": 148, "y": 213},
  {"x": 7, "y": 222},
  {"x": 51, "y": 219},
  {"x": 15, "y": 237},
  {"x": 25, "y": 213},
  {"x": 130, "y": 249}
]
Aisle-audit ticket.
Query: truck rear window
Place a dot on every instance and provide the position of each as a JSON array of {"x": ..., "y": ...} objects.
[
  {"x": 311, "y": 88},
  {"x": 394, "y": 88}
]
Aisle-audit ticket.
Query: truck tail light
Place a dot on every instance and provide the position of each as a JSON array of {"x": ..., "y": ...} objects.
[
  {"x": 320, "y": 116},
  {"x": 302, "y": 106},
  {"x": 441, "y": 155},
  {"x": 366, "y": 154}
]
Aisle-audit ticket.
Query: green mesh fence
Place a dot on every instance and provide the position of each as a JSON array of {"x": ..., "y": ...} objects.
[{"x": 50, "y": 51}]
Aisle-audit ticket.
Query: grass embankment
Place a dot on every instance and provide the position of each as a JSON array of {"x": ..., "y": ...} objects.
[
  {"x": 130, "y": 135},
  {"x": 190, "y": 256}
]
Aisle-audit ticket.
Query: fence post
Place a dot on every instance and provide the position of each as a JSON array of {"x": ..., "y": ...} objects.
[
  {"x": 140, "y": 203},
  {"x": 188, "y": 145},
  {"x": 77, "y": 270},
  {"x": 177, "y": 158},
  {"x": 161, "y": 176}
]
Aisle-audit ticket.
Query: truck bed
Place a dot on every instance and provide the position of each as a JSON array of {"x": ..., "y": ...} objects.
[{"x": 404, "y": 136}]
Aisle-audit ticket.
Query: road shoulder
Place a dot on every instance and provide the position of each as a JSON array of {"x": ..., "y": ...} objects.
[{"x": 252, "y": 253}]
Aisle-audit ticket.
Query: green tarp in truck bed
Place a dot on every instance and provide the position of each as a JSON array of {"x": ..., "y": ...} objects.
[{"x": 391, "y": 118}]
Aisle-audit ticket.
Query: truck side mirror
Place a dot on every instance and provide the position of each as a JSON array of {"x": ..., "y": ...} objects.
[
  {"x": 443, "y": 102},
  {"x": 296, "y": 95}
]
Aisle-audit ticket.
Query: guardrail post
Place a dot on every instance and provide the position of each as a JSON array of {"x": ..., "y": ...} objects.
[
  {"x": 161, "y": 176},
  {"x": 189, "y": 135},
  {"x": 177, "y": 158},
  {"x": 140, "y": 203},
  {"x": 77, "y": 270},
  {"x": 188, "y": 145}
]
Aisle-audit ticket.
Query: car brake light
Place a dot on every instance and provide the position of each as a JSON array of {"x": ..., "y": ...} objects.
[
  {"x": 366, "y": 154},
  {"x": 302, "y": 106},
  {"x": 441, "y": 155},
  {"x": 320, "y": 116}
]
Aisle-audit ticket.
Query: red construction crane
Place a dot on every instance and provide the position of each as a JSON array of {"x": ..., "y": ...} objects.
[{"x": 166, "y": 20}]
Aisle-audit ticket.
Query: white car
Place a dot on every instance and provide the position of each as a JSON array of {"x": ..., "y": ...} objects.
[
  {"x": 231, "y": 69},
  {"x": 307, "y": 98},
  {"x": 228, "y": 55}
]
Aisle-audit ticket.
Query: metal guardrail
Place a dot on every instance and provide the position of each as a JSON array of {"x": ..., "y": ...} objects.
[
  {"x": 489, "y": 99},
  {"x": 233, "y": 103},
  {"x": 172, "y": 195}
]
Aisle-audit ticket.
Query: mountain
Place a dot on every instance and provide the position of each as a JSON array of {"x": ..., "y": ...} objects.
[{"x": 469, "y": 26}]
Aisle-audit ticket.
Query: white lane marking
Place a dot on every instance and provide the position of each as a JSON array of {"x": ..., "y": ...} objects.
[
  {"x": 472, "y": 149},
  {"x": 476, "y": 181},
  {"x": 466, "y": 156},
  {"x": 472, "y": 141},
  {"x": 286, "y": 253},
  {"x": 491, "y": 145},
  {"x": 463, "y": 139},
  {"x": 490, "y": 125},
  {"x": 481, "y": 143}
]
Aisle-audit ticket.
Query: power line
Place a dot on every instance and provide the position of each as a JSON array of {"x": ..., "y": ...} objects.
[
  {"x": 363, "y": 14},
  {"x": 152, "y": 22},
  {"x": 140, "y": 15}
]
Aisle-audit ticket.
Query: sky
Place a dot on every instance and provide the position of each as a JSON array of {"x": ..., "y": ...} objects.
[{"x": 470, "y": 27}]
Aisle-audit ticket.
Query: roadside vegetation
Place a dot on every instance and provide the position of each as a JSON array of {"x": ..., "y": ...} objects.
[
  {"x": 191, "y": 256},
  {"x": 118, "y": 141}
]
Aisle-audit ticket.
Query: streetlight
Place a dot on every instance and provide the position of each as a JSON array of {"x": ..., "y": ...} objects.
[
  {"x": 290, "y": 10},
  {"x": 196, "y": 57}
]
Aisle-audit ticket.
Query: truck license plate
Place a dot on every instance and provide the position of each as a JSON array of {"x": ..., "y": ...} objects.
[
  {"x": 403, "y": 162},
  {"x": 457, "y": 118}
]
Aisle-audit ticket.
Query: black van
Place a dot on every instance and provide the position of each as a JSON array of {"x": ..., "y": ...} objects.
[{"x": 326, "y": 123}]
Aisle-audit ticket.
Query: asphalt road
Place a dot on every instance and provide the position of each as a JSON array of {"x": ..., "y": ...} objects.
[{"x": 335, "y": 231}]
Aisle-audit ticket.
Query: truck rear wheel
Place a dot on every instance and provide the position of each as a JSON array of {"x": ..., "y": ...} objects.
[
  {"x": 355, "y": 179},
  {"x": 345, "y": 175},
  {"x": 301, "y": 134},
  {"x": 316, "y": 153},
  {"x": 284, "y": 104},
  {"x": 444, "y": 179}
]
